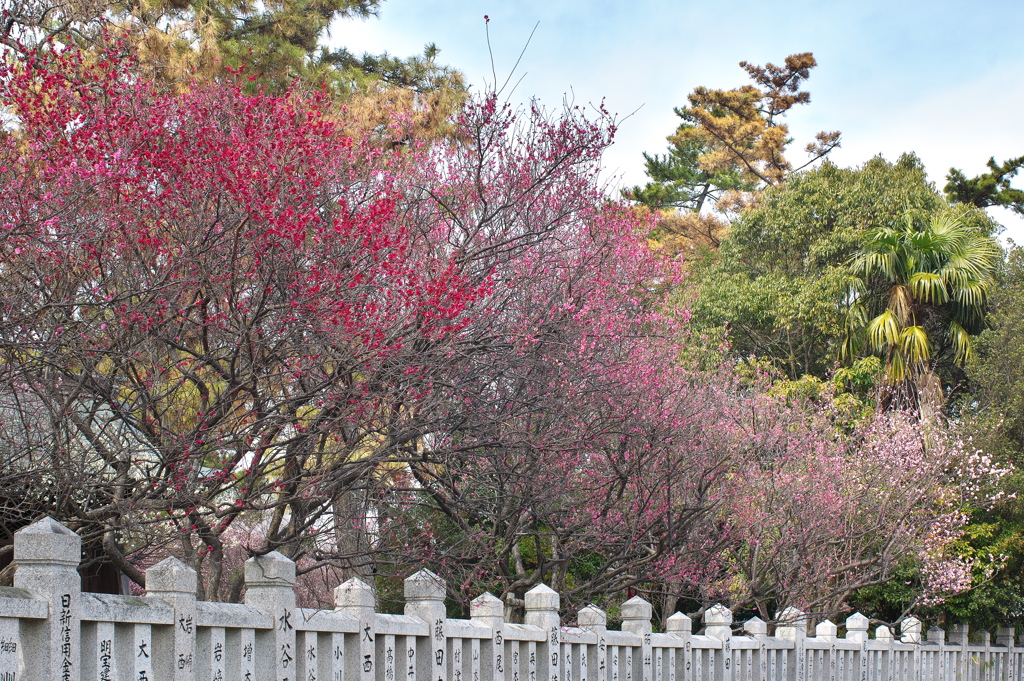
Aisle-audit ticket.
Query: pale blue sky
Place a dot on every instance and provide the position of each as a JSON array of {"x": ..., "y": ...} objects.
[{"x": 942, "y": 79}]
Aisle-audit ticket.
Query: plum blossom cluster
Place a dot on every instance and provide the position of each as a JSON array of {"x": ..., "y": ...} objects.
[{"x": 228, "y": 328}]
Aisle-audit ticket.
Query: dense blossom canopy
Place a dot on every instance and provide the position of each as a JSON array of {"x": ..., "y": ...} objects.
[{"x": 228, "y": 327}]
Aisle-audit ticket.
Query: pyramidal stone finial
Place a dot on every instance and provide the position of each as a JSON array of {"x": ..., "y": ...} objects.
[
  {"x": 424, "y": 585},
  {"x": 857, "y": 628},
  {"x": 792, "y": 624},
  {"x": 826, "y": 630},
  {"x": 542, "y": 597},
  {"x": 271, "y": 569},
  {"x": 679, "y": 624},
  {"x": 755, "y": 627},
  {"x": 718, "y": 622},
  {"x": 591, "y": 616},
  {"x": 47, "y": 541},
  {"x": 910, "y": 630},
  {"x": 487, "y": 607},
  {"x": 354, "y": 593},
  {"x": 636, "y": 616},
  {"x": 171, "y": 576}
]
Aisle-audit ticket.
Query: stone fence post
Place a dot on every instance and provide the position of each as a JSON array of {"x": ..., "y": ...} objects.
[
  {"x": 355, "y": 597},
  {"x": 682, "y": 626},
  {"x": 424, "y": 598},
  {"x": 174, "y": 650},
  {"x": 489, "y": 610},
  {"x": 636, "y": 619},
  {"x": 718, "y": 624},
  {"x": 542, "y": 605},
  {"x": 270, "y": 586},
  {"x": 47, "y": 555},
  {"x": 793, "y": 626},
  {"x": 595, "y": 620}
]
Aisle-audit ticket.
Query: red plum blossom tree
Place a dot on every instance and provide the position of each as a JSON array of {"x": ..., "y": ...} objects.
[{"x": 229, "y": 329}]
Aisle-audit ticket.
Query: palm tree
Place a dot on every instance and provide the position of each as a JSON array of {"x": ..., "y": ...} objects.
[{"x": 919, "y": 294}]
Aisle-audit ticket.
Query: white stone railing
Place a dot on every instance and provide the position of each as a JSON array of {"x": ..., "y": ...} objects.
[{"x": 50, "y": 631}]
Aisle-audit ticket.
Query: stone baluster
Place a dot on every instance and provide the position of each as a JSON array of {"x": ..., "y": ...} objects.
[
  {"x": 682, "y": 626},
  {"x": 174, "y": 647},
  {"x": 959, "y": 634},
  {"x": 595, "y": 620},
  {"x": 356, "y": 598},
  {"x": 857, "y": 632},
  {"x": 489, "y": 610},
  {"x": 270, "y": 586},
  {"x": 542, "y": 605},
  {"x": 718, "y": 624},
  {"x": 793, "y": 627},
  {"x": 47, "y": 555},
  {"x": 910, "y": 630},
  {"x": 424, "y": 598},
  {"x": 636, "y": 619},
  {"x": 826, "y": 631}
]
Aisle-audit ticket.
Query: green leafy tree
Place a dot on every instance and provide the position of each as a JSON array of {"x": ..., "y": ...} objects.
[
  {"x": 988, "y": 189},
  {"x": 921, "y": 290},
  {"x": 777, "y": 287}
]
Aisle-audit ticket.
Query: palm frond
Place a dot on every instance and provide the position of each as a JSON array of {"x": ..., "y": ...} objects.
[
  {"x": 897, "y": 367},
  {"x": 929, "y": 287},
  {"x": 901, "y": 302},
  {"x": 883, "y": 331},
  {"x": 914, "y": 344},
  {"x": 962, "y": 345},
  {"x": 971, "y": 293}
]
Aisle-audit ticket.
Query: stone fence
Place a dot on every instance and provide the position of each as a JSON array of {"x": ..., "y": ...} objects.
[{"x": 50, "y": 630}]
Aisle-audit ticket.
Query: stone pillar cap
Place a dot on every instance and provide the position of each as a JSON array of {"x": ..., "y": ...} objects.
[
  {"x": 355, "y": 593},
  {"x": 486, "y": 605},
  {"x": 826, "y": 629},
  {"x": 755, "y": 626},
  {"x": 717, "y": 614},
  {"x": 424, "y": 585},
  {"x": 272, "y": 569},
  {"x": 680, "y": 623},
  {"x": 171, "y": 575},
  {"x": 636, "y": 608},
  {"x": 47, "y": 541},
  {"x": 592, "y": 616},
  {"x": 542, "y": 597},
  {"x": 857, "y": 622}
]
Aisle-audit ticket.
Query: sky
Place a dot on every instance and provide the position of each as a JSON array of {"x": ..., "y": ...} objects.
[{"x": 942, "y": 80}]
